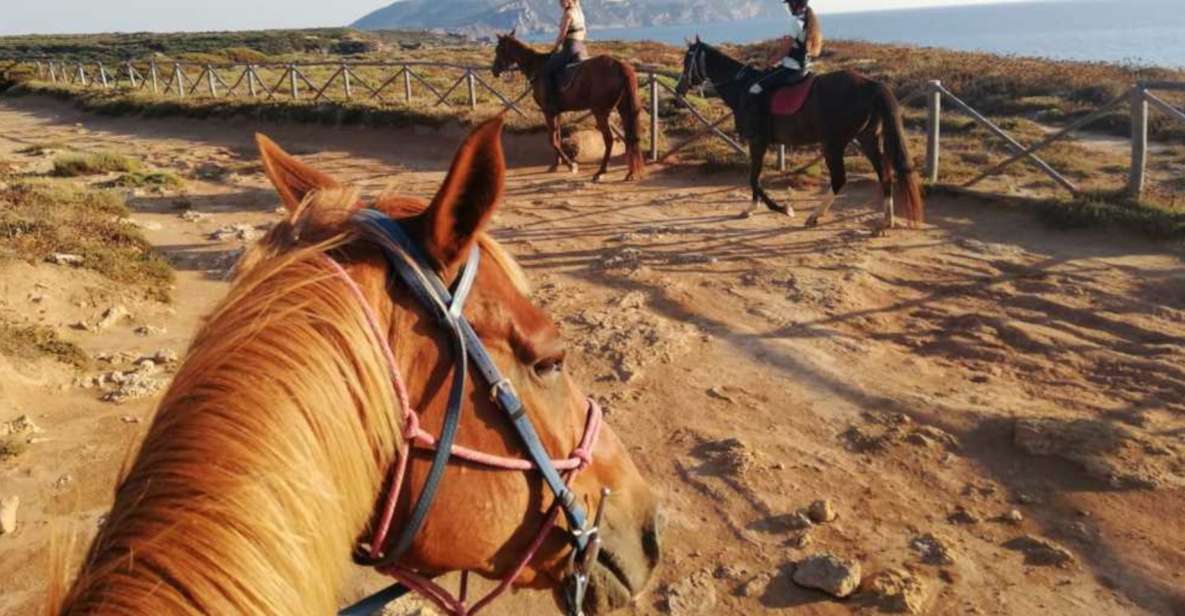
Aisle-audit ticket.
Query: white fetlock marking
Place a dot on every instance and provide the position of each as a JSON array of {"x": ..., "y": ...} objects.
[
  {"x": 889, "y": 212},
  {"x": 789, "y": 212}
]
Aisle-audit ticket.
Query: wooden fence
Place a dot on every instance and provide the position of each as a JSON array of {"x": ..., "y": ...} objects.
[
  {"x": 391, "y": 81},
  {"x": 1138, "y": 99}
]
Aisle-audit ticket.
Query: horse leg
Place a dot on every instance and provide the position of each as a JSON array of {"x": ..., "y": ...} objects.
[
  {"x": 559, "y": 148},
  {"x": 870, "y": 145},
  {"x": 757, "y": 149},
  {"x": 553, "y": 132},
  {"x": 833, "y": 154},
  {"x": 607, "y": 135}
]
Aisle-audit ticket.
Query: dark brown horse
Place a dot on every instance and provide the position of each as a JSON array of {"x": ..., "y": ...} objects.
[
  {"x": 600, "y": 85},
  {"x": 843, "y": 106}
]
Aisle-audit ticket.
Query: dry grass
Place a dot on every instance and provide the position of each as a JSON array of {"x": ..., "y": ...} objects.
[
  {"x": 11, "y": 447},
  {"x": 40, "y": 217},
  {"x": 73, "y": 164},
  {"x": 151, "y": 180},
  {"x": 36, "y": 341}
]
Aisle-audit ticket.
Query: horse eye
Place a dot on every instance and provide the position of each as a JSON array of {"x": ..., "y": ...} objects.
[{"x": 549, "y": 367}]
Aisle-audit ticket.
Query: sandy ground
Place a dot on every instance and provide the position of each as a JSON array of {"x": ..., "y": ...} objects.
[{"x": 993, "y": 409}]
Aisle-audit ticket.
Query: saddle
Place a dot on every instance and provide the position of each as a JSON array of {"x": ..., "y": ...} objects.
[{"x": 788, "y": 100}]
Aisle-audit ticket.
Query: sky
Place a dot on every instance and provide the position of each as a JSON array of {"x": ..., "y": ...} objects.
[{"x": 75, "y": 16}]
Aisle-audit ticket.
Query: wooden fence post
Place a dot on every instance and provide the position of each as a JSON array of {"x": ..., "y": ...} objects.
[
  {"x": 782, "y": 157},
  {"x": 103, "y": 75},
  {"x": 81, "y": 75},
  {"x": 1139, "y": 119},
  {"x": 40, "y": 70},
  {"x": 132, "y": 74},
  {"x": 653, "y": 117},
  {"x": 406, "y": 84},
  {"x": 292, "y": 87},
  {"x": 210, "y": 81},
  {"x": 933, "y": 129},
  {"x": 179, "y": 77},
  {"x": 155, "y": 77},
  {"x": 53, "y": 76},
  {"x": 346, "y": 81},
  {"x": 472, "y": 89},
  {"x": 251, "y": 80}
]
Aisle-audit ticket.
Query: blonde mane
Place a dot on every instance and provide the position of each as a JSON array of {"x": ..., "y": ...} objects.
[{"x": 280, "y": 421}]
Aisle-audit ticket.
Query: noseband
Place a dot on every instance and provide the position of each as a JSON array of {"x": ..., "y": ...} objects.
[{"x": 411, "y": 266}]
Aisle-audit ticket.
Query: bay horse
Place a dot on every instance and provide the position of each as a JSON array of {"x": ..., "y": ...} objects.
[
  {"x": 842, "y": 106},
  {"x": 268, "y": 456},
  {"x": 600, "y": 84}
]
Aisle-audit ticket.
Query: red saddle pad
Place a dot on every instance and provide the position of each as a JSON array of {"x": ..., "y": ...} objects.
[{"x": 788, "y": 101}]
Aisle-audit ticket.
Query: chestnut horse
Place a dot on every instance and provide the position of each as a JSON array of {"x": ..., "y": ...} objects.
[
  {"x": 268, "y": 454},
  {"x": 600, "y": 85},
  {"x": 842, "y": 106}
]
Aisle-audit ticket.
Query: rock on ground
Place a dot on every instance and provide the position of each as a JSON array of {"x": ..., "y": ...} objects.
[
  {"x": 1040, "y": 551},
  {"x": 21, "y": 426},
  {"x": 933, "y": 549},
  {"x": 8, "y": 507},
  {"x": 240, "y": 232},
  {"x": 111, "y": 316},
  {"x": 694, "y": 594},
  {"x": 898, "y": 591},
  {"x": 61, "y": 258},
  {"x": 1107, "y": 451},
  {"x": 822, "y": 511},
  {"x": 829, "y": 573}
]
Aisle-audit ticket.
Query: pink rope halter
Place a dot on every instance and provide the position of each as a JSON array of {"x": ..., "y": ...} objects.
[{"x": 416, "y": 437}]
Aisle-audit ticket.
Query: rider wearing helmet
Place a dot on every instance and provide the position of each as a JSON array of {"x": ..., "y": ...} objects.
[
  {"x": 569, "y": 48},
  {"x": 790, "y": 64}
]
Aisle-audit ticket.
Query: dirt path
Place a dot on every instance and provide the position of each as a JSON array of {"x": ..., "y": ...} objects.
[{"x": 753, "y": 367}]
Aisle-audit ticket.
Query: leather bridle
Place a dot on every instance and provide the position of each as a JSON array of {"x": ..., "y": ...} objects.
[
  {"x": 410, "y": 265},
  {"x": 696, "y": 70}
]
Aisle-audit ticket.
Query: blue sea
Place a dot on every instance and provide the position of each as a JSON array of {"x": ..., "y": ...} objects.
[{"x": 1140, "y": 32}]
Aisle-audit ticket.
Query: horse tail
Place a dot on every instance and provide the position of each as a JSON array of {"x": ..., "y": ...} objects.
[
  {"x": 814, "y": 33},
  {"x": 907, "y": 185},
  {"x": 629, "y": 106}
]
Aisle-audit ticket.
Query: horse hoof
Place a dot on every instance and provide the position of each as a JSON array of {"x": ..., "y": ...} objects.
[
  {"x": 596, "y": 179},
  {"x": 553, "y": 168},
  {"x": 574, "y": 168},
  {"x": 789, "y": 212},
  {"x": 813, "y": 221},
  {"x": 629, "y": 177}
]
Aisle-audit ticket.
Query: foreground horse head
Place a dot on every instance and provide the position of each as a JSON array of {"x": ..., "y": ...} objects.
[{"x": 266, "y": 460}]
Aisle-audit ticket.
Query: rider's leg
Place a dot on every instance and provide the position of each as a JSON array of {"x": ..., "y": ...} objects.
[{"x": 550, "y": 76}]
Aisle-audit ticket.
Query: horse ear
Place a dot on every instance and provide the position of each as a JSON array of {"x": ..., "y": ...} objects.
[
  {"x": 697, "y": 41},
  {"x": 293, "y": 179},
  {"x": 512, "y": 31},
  {"x": 467, "y": 199}
]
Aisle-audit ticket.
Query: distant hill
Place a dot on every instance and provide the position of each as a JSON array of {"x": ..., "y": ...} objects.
[{"x": 485, "y": 17}]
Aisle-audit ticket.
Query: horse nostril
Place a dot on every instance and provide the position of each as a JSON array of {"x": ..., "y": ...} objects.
[{"x": 651, "y": 541}]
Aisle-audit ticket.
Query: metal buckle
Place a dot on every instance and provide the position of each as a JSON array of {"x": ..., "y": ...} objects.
[
  {"x": 581, "y": 561},
  {"x": 503, "y": 385}
]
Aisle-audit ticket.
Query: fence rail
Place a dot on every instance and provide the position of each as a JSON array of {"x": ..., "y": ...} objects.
[{"x": 399, "y": 79}]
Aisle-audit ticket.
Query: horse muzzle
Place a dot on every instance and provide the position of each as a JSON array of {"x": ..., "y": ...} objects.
[{"x": 625, "y": 564}]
